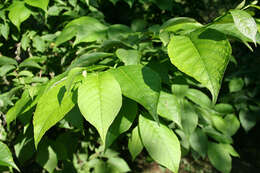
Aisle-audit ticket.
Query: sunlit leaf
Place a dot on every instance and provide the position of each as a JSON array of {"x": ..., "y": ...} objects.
[
  {"x": 203, "y": 54},
  {"x": 99, "y": 100}
]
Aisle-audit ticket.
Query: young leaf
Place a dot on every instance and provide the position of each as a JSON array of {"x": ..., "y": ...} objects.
[
  {"x": 160, "y": 142},
  {"x": 207, "y": 51},
  {"x": 18, "y": 13},
  {"x": 53, "y": 105},
  {"x": 140, "y": 84},
  {"x": 169, "y": 107},
  {"x": 245, "y": 23},
  {"x": 43, "y": 4},
  {"x": 123, "y": 120},
  {"x": 99, "y": 100},
  {"x": 219, "y": 157},
  {"x": 135, "y": 145},
  {"x": 6, "y": 158}
]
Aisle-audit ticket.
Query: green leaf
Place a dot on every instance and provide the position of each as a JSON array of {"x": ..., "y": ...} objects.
[
  {"x": 203, "y": 54},
  {"x": 189, "y": 117},
  {"x": 219, "y": 157},
  {"x": 88, "y": 59},
  {"x": 169, "y": 107},
  {"x": 220, "y": 137},
  {"x": 4, "y": 30},
  {"x": 224, "y": 108},
  {"x": 24, "y": 150},
  {"x": 19, "y": 107},
  {"x": 18, "y": 13},
  {"x": 43, "y": 4},
  {"x": 99, "y": 100},
  {"x": 199, "y": 98},
  {"x": 199, "y": 142},
  {"x": 228, "y": 125},
  {"x": 160, "y": 142},
  {"x": 86, "y": 29},
  {"x": 140, "y": 84},
  {"x": 248, "y": 119},
  {"x": 123, "y": 121},
  {"x": 236, "y": 84},
  {"x": 6, "y": 158},
  {"x": 5, "y": 69},
  {"x": 129, "y": 57},
  {"x": 47, "y": 158},
  {"x": 39, "y": 44},
  {"x": 53, "y": 105},
  {"x": 30, "y": 62},
  {"x": 118, "y": 163},
  {"x": 245, "y": 23},
  {"x": 135, "y": 145},
  {"x": 7, "y": 61},
  {"x": 73, "y": 73},
  {"x": 184, "y": 24}
]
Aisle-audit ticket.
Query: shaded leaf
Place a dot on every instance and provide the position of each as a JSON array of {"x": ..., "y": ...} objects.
[
  {"x": 199, "y": 142},
  {"x": 123, "y": 121},
  {"x": 160, "y": 142},
  {"x": 135, "y": 145},
  {"x": 219, "y": 157}
]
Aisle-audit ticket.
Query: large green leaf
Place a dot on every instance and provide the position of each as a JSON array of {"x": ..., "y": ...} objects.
[
  {"x": 219, "y": 157},
  {"x": 99, "y": 100},
  {"x": 123, "y": 121},
  {"x": 135, "y": 145},
  {"x": 43, "y": 4},
  {"x": 160, "y": 142},
  {"x": 203, "y": 54},
  {"x": 169, "y": 107},
  {"x": 140, "y": 84},
  {"x": 53, "y": 105},
  {"x": 18, "y": 13},
  {"x": 86, "y": 29},
  {"x": 245, "y": 23},
  {"x": 6, "y": 158}
]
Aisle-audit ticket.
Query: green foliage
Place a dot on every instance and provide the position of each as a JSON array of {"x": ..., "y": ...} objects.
[{"x": 138, "y": 77}]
